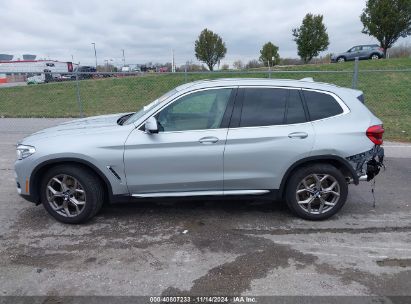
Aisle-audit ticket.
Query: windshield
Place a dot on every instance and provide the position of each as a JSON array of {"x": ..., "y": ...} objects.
[{"x": 136, "y": 116}]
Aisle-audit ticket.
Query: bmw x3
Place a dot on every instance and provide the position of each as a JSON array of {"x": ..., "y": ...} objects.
[{"x": 299, "y": 141}]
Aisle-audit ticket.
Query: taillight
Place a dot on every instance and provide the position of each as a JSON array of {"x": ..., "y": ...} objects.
[{"x": 375, "y": 133}]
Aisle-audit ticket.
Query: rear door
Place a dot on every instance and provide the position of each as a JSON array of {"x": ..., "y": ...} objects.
[
  {"x": 365, "y": 51},
  {"x": 268, "y": 132}
]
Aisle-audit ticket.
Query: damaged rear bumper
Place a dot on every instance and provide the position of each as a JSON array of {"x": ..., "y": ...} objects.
[{"x": 367, "y": 165}]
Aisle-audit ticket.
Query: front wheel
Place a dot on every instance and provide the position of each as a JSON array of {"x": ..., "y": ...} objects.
[
  {"x": 71, "y": 194},
  {"x": 340, "y": 59},
  {"x": 316, "y": 192}
]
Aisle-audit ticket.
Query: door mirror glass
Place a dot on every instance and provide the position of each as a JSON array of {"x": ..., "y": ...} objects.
[{"x": 151, "y": 125}]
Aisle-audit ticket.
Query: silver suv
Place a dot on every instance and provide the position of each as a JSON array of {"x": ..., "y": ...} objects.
[
  {"x": 300, "y": 141},
  {"x": 369, "y": 51}
]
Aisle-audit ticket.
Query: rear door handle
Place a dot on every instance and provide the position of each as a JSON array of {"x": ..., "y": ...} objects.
[
  {"x": 208, "y": 140},
  {"x": 298, "y": 135}
]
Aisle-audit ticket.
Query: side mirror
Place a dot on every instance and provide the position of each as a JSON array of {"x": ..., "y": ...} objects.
[{"x": 151, "y": 125}]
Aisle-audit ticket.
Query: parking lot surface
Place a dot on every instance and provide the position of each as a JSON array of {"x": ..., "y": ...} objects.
[{"x": 208, "y": 248}]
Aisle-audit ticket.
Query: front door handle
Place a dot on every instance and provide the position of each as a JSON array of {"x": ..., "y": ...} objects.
[
  {"x": 208, "y": 140},
  {"x": 298, "y": 135}
]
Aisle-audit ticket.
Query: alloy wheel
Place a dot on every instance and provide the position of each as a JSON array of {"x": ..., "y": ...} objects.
[
  {"x": 66, "y": 195},
  {"x": 318, "y": 193}
]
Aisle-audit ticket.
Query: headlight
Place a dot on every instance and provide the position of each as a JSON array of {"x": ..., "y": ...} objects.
[{"x": 24, "y": 151}]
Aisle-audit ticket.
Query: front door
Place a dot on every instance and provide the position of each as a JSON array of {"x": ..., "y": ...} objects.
[
  {"x": 354, "y": 52},
  {"x": 186, "y": 156}
]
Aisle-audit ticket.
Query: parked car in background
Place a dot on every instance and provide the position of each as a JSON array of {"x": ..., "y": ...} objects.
[
  {"x": 368, "y": 51},
  {"x": 300, "y": 141},
  {"x": 84, "y": 69},
  {"x": 36, "y": 78}
]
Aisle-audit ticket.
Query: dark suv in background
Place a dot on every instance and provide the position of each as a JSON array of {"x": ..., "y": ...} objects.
[{"x": 368, "y": 51}]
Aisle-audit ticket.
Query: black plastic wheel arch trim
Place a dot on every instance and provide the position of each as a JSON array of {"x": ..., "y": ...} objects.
[
  {"x": 343, "y": 162},
  {"x": 34, "y": 195}
]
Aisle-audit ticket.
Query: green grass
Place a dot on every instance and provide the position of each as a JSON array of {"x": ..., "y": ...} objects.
[{"x": 387, "y": 93}]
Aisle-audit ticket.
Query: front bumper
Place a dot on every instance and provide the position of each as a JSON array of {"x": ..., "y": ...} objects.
[
  {"x": 367, "y": 165},
  {"x": 22, "y": 173}
]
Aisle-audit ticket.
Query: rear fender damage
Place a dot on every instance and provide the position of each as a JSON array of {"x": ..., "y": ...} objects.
[{"x": 368, "y": 163}]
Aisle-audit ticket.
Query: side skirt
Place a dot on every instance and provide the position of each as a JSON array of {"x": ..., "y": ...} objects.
[{"x": 271, "y": 195}]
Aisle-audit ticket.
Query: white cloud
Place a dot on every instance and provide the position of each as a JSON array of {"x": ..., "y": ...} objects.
[{"x": 149, "y": 30}]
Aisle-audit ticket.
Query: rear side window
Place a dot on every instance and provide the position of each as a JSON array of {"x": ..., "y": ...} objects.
[
  {"x": 295, "y": 109},
  {"x": 263, "y": 107},
  {"x": 321, "y": 105}
]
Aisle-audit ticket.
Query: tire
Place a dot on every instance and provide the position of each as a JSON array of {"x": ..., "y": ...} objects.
[
  {"x": 64, "y": 185},
  {"x": 315, "y": 194},
  {"x": 341, "y": 59},
  {"x": 375, "y": 57}
]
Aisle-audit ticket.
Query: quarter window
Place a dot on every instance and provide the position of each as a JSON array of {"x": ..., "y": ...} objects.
[
  {"x": 196, "y": 111},
  {"x": 321, "y": 105}
]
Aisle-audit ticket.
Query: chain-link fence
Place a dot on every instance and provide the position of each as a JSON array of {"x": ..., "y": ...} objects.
[{"x": 387, "y": 92}]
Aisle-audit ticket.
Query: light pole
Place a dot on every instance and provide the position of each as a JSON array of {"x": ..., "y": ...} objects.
[
  {"x": 111, "y": 65},
  {"x": 124, "y": 58},
  {"x": 95, "y": 52}
]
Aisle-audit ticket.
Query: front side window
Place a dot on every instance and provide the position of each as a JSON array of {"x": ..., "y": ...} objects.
[
  {"x": 321, "y": 105},
  {"x": 136, "y": 116},
  {"x": 263, "y": 107},
  {"x": 196, "y": 111}
]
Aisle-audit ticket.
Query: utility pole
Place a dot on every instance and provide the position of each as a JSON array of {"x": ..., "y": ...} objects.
[
  {"x": 173, "y": 65},
  {"x": 124, "y": 59},
  {"x": 95, "y": 52}
]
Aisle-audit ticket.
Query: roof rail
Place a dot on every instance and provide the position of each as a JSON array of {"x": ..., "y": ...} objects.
[{"x": 309, "y": 79}]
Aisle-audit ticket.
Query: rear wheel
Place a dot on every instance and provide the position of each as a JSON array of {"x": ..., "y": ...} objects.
[
  {"x": 316, "y": 192},
  {"x": 375, "y": 57},
  {"x": 71, "y": 194}
]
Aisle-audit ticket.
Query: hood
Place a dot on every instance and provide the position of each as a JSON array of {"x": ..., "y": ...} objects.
[{"x": 95, "y": 124}]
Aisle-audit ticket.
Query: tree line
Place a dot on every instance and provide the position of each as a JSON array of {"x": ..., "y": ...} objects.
[{"x": 386, "y": 20}]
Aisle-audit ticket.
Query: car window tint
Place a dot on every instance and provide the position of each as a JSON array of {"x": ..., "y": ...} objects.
[
  {"x": 321, "y": 105},
  {"x": 196, "y": 111},
  {"x": 263, "y": 107},
  {"x": 295, "y": 110}
]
